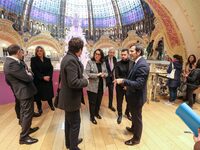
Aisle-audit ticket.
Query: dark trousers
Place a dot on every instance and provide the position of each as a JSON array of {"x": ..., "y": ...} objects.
[
  {"x": 26, "y": 114},
  {"x": 17, "y": 107},
  {"x": 110, "y": 93},
  {"x": 72, "y": 128},
  {"x": 120, "y": 93},
  {"x": 190, "y": 96},
  {"x": 150, "y": 53},
  {"x": 39, "y": 103},
  {"x": 172, "y": 93},
  {"x": 160, "y": 53},
  {"x": 94, "y": 102},
  {"x": 137, "y": 125}
]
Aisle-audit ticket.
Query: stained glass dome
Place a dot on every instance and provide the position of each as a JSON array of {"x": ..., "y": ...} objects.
[{"x": 102, "y": 12}]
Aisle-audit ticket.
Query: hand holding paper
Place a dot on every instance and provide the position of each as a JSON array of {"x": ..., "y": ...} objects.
[{"x": 118, "y": 81}]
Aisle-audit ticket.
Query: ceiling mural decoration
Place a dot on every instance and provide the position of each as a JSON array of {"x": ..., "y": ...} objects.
[
  {"x": 170, "y": 27},
  {"x": 13, "y": 5},
  {"x": 49, "y": 11}
]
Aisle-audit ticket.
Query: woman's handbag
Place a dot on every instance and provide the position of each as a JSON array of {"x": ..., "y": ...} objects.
[{"x": 171, "y": 75}]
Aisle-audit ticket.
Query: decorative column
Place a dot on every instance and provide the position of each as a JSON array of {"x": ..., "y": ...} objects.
[
  {"x": 90, "y": 19},
  {"x": 117, "y": 16},
  {"x": 26, "y": 15},
  {"x": 61, "y": 20}
]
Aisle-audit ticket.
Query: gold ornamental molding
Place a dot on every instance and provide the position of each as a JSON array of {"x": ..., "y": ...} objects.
[
  {"x": 105, "y": 41},
  {"x": 168, "y": 28},
  {"x": 132, "y": 39},
  {"x": 7, "y": 33},
  {"x": 46, "y": 39}
]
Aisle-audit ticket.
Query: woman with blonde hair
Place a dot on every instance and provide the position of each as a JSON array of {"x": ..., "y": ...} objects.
[{"x": 43, "y": 71}]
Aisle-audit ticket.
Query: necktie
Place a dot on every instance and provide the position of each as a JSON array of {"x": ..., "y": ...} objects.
[{"x": 111, "y": 64}]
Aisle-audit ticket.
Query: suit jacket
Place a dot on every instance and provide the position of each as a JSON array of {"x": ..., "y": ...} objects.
[
  {"x": 17, "y": 78},
  {"x": 137, "y": 84},
  {"x": 72, "y": 83},
  {"x": 120, "y": 68},
  {"x": 41, "y": 69},
  {"x": 92, "y": 71},
  {"x": 110, "y": 77}
]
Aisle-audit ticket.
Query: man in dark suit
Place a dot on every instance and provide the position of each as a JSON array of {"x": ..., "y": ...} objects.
[
  {"x": 122, "y": 69},
  {"x": 110, "y": 60},
  {"x": 71, "y": 92},
  {"x": 17, "y": 101},
  {"x": 136, "y": 84},
  {"x": 21, "y": 82}
]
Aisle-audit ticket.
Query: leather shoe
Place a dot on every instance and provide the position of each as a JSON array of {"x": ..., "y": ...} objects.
[
  {"x": 132, "y": 142},
  {"x": 28, "y": 140},
  {"x": 129, "y": 129},
  {"x": 98, "y": 116},
  {"x": 52, "y": 108},
  {"x": 112, "y": 108},
  {"x": 31, "y": 130},
  {"x": 79, "y": 141},
  {"x": 119, "y": 119},
  {"x": 93, "y": 120},
  {"x": 36, "y": 114}
]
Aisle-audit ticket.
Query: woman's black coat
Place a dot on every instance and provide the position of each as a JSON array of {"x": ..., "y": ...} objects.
[{"x": 40, "y": 69}]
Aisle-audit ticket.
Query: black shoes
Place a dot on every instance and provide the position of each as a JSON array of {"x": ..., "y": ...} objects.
[
  {"x": 129, "y": 129},
  {"x": 98, "y": 116},
  {"x": 52, "y": 108},
  {"x": 132, "y": 142},
  {"x": 93, "y": 120},
  {"x": 31, "y": 130},
  {"x": 112, "y": 108},
  {"x": 79, "y": 141},
  {"x": 28, "y": 140},
  {"x": 119, "y": 119},
  {"x": 36, "y": 114}
]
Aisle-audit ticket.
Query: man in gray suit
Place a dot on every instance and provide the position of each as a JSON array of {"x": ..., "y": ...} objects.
[
  {"x": 71, "y": 92},
  {"x": 21, "y": 82}
]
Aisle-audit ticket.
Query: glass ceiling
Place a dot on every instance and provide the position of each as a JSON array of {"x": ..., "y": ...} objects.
[{"x": 48, "y": 11}]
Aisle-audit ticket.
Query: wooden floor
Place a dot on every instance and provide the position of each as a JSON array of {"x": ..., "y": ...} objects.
[{"x": 162, "y": 130}]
